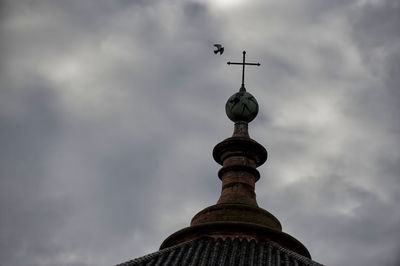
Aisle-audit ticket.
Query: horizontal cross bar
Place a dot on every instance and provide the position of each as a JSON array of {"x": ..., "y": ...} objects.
[
  {"x": 252, "y": 64},
  {"x": 243, "y": 65}
]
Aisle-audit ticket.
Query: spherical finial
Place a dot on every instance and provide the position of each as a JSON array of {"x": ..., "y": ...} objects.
[{"x": 241, "y": 106}]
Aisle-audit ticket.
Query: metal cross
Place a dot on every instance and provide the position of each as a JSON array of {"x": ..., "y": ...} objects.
[{"x": 243, "y": 64}]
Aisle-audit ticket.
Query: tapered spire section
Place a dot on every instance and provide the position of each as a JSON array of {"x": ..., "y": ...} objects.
[
  {"x": 239, "y": 156},
  {"x": 236, "y": 213}
]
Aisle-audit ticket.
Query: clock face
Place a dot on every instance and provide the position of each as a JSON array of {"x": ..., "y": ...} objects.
[{"x": 242, "y": 106}]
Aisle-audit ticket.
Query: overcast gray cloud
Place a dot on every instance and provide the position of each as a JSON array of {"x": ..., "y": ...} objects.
[{"x": 109, "y": 111}]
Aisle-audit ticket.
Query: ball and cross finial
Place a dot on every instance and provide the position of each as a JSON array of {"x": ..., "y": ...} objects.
[{"x": 242, "y": 106}]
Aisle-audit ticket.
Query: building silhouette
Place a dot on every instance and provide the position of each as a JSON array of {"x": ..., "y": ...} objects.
[{"x": 234, "y": 231}]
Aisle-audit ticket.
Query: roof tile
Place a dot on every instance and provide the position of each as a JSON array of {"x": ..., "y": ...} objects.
[{"x": 228, "y": 252}]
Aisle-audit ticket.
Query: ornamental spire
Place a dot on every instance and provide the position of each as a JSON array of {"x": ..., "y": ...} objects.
[{"x": 236, "y": 213}]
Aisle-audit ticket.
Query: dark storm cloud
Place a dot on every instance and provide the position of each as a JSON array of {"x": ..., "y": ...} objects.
[
  {"x": 372, "y": 195},
  {"x": 334, "y": 208},
  {"x": 79, "y": 173},
  {"x": 30, "y": 127},
  {"x": 376, "y": 32},
  {"x": 109, "y": 112}
]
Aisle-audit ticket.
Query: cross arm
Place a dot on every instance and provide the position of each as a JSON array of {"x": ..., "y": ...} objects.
[
  {"x": 243, "y": 64},
  {"x": 252, "y": 64}
]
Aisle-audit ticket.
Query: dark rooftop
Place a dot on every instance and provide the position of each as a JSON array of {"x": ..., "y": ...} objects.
[{"x": 228, "y": 252}]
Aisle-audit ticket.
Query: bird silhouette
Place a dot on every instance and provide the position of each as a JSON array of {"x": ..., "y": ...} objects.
[{"x": 219, "y": 49}]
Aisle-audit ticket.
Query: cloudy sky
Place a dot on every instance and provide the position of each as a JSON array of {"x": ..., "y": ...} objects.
[{"x": 109, "y": 111}]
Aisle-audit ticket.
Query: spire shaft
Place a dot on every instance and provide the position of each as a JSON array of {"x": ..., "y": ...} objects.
[{"x": 244, "y": 62}]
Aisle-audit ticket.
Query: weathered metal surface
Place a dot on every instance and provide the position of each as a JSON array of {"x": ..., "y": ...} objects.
[{"x": 241, "y": 106}]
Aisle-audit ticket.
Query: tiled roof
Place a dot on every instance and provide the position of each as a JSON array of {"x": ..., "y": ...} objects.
[{"x": 232, "y": 252}]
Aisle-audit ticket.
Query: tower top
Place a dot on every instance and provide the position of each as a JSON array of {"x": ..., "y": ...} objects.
[{"x": 235, "y": 230}]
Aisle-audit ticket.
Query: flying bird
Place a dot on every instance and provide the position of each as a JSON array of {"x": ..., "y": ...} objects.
[{"x": 219, "y": 49}]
